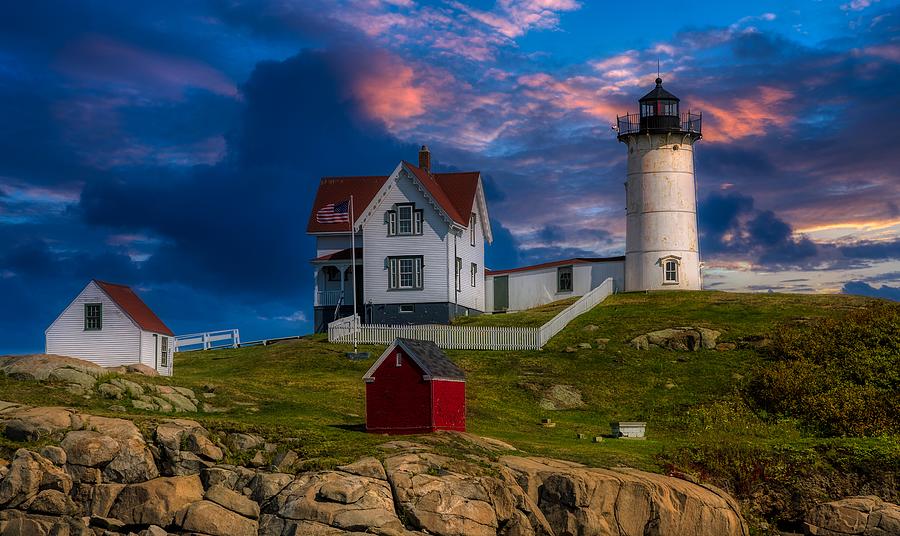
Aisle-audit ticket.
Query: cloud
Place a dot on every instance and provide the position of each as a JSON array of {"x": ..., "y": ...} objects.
[
  {"x": 730, "y": 225},
  {"x": 864, "y": 289},
  {"x": 101, "y": 59}
]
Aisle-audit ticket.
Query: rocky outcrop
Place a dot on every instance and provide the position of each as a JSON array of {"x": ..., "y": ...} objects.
[
  {"x": 863, "y": 516},
  {"x": 106, "y": 478},
  {"x": 683, "y": 339}
]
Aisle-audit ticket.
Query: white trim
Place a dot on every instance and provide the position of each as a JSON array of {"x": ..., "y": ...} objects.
[{"x": 481, "y": 201}]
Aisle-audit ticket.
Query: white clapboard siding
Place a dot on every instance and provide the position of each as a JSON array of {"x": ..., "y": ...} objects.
[
  {"x": 470, "y": 337},
  {"x": 469, "y": 296},
  {"x": 431, "y": 244},
  {"x": 118, "y": 343}
]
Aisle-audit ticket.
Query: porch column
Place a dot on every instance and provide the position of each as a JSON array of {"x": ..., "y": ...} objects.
[{"x": 316, "y": 285}]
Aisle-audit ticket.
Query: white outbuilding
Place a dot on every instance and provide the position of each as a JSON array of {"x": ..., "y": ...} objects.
[{"x": 108, "y": 324}]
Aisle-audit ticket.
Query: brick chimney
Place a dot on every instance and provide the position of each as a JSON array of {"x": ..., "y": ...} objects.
[{"x": 425, "y": 158}]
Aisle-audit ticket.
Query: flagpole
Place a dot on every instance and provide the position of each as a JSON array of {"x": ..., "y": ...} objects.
[{"x": 353, "y": 273}]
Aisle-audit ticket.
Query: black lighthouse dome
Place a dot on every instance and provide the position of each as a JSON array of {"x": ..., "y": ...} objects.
[{"x": 659, "y": 114}]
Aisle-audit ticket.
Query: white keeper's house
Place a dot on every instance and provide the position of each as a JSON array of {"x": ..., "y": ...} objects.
[
  {"x": 420, "y": 236},
  {"x": 109, "y": 324},
  {"x": 419, "y": 241}
]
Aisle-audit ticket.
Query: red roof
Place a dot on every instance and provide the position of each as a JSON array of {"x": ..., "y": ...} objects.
[
  {"x": 551, "y": 264},
  {"x": 453, "y": 192},
  {"x": 134, "y": 307},
  {"x": 341, "y": 255},
  {"x": 338, "y": 190}
]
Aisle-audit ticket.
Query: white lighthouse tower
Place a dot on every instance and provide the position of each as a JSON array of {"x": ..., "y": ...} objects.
[{"x": 661, "y": 245}]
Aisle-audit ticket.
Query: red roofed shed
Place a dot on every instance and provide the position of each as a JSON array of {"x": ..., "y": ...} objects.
[{"x": 414, "y": 388}]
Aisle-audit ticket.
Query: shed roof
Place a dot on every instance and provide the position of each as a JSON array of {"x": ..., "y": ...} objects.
[
  {"x": 134, "y": 307},
  {"x": 432, "y": 360}
]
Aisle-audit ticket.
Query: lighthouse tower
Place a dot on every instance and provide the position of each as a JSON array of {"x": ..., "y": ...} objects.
[{"x": 661, "y": 251}]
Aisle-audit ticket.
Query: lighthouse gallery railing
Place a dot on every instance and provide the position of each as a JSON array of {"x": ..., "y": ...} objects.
[{"x": 634, "y": 123}]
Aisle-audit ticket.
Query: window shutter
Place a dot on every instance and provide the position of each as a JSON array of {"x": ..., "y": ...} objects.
[
  {"x": 417, "y": 215},
  {"x": 392, "y": 273},
  {"x": 392, "y": 222},
  {"x": 418, "y": 272}
]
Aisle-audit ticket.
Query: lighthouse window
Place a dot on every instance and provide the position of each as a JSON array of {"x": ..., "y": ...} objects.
[
  {"x": 670, "y": 108},
  {"x": 648, "y": 109},
  {"x": 671, "y": 271}
]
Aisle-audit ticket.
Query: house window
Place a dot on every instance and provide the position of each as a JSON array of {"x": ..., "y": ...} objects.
[
  {"x": 93, "y": 316},
  {"x": 564, "y": 279},
  {"x": 404, "y": 220},
  {"x": 164, "y": 351},
  {"x": 472, "y": 222},
  {"x": 404, "y": 273},
  {"x": 458, "y": 274},
  {"x": 408, "y": 308},
  {"x": 473, "y": 272},
  {"x": 670, "y": 268}
]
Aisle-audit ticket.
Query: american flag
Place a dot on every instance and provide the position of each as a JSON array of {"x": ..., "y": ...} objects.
[{"x": 334, "y": 213}]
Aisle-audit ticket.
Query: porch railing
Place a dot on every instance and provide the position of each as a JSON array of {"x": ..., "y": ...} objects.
[{"x": 332, "y": 297}]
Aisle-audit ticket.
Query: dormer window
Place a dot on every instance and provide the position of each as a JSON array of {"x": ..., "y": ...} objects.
[
  {"x": 670, "y": 271},
  {"x": 404, "y": 220}
]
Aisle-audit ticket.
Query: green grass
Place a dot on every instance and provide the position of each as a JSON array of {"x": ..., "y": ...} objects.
[
  {"x": 535, "y": 317},
  {"x": 307, "y": 389}
]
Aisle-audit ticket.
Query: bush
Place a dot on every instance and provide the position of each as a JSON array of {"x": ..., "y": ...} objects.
[{"x": 836, "y": 376}]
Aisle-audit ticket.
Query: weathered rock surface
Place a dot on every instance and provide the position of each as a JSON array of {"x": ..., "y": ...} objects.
[
  {"x": 865, "y": 516},
  {"x": 156, "y": 501},
  {"x": 682, "y": 339},
  {"x": 105, "y": 475}
]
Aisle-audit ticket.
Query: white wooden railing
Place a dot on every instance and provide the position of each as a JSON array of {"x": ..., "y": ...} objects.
[
  {"x": 226, "y": 338},
  {"x": 582, "y": 305},
  {"x": 470, "y": 337},
  {"x": 332, "y": 297}
]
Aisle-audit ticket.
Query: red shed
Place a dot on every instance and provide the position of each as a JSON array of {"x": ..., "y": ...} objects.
[{"x": 414, "y": 388}]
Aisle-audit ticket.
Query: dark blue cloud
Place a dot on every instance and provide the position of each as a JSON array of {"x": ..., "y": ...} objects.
[
  {"x": 730, "y": 225},
  {"x": 864, "y": 289}
]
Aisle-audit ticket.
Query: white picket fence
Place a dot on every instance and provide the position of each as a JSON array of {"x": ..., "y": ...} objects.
[{"x": 470, "y": 337}]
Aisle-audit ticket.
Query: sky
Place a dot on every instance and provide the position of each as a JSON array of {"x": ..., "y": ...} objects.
[{"x": 176, "y": 146}]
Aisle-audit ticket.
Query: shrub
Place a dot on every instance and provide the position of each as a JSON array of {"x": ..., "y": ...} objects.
[{"x": 836, "y": 376}]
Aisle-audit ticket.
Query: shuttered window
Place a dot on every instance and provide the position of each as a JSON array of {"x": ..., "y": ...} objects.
[
  {"x": 404, "y": 273},
  {"x": 405, "y": 219},
  {"x": 93, "y": 316},
  {"x": 458, "y": 274}
]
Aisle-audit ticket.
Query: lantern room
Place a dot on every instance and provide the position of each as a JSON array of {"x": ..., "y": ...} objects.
[
  {"x": 659, "y": 109},
  {"x": 659, "y": 114}
]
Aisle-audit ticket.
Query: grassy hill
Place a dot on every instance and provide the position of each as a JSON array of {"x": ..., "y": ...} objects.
[{"x": 692, "y": 401}]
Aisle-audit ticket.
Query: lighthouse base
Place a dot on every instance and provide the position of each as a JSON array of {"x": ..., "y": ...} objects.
[{"x": 647, "y": 271}]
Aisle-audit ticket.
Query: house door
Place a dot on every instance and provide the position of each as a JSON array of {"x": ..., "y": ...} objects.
[{"x": 501, "y": 293}]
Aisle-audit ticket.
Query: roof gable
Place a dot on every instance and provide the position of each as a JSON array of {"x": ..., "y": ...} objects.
[
  {"x": 134, "y": 307},
  {"x": 433, "y": 362},
  {"x": 339, "y": 189}
]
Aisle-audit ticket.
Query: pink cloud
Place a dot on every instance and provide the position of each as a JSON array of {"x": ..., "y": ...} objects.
[
  {"x": 389, "y": 91},
  {"x": 885, "y": 52},
  {"x": 100, "y": 59},
  {"x": 514, "y": 18},
  {"x": 579, "y": 93},
  {"x": 745, "y": 116}
]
